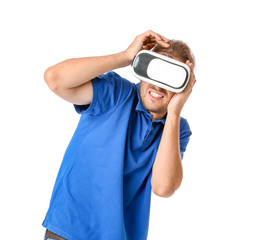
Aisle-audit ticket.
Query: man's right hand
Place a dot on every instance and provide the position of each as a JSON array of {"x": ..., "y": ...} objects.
[
  {"x": 71, "y": 79},
  {"x": 145, "y": 41}
]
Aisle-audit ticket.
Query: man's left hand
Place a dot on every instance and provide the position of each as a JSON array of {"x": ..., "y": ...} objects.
[{"x": 178, "y": 100}]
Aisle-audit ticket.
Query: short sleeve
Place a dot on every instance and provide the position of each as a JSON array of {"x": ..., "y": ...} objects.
[
  {"x": 185, "y": 134},
  {"x": 108, "y": 91}
]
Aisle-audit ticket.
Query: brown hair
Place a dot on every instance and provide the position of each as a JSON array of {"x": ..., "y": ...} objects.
[{"x": 178, "y": 49}]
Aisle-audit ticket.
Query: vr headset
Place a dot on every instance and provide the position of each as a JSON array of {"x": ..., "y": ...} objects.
[{"x": 161, "y": 71}]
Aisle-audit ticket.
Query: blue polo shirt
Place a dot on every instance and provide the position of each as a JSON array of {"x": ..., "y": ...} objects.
[{"x": 103, "y": 188}]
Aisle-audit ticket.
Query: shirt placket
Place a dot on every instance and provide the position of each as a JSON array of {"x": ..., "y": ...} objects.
[{"x": 149, "y": 136}]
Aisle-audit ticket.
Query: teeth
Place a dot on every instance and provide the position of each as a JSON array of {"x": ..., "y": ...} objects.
[{"x": 155, "y": 94}]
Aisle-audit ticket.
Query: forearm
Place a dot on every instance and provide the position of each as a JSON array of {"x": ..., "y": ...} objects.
[
  {"x": 167, "y": 168},
  {"x": 77, "y": 71}
]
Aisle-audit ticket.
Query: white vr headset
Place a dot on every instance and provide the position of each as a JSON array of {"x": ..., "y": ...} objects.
[{"x": 161, "y": 71}]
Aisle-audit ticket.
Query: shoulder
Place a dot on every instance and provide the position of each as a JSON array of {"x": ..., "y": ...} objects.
[
  {"x": 185, "y": 130},
  {"x": 115, "y": 77},
  {"x": 185, "y": 134},
  {"x": 184, "y": 125},
  {"x": 110, "y": 90},
  {"x": 122, "y": 86},
  {"x": 113, "y": 80}
]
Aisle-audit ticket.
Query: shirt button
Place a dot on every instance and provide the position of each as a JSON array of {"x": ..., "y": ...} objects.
[{"x": 151, "y": 132}]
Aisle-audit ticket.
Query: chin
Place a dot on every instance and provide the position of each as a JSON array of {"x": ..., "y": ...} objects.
[{"x": 155, "y": 108}]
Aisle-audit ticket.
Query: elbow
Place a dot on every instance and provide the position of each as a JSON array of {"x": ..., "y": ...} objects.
[
  {"x": 167, "y": 189},
  {"x": 50, "y": 78},
  {"x": 165, "y": 192}
]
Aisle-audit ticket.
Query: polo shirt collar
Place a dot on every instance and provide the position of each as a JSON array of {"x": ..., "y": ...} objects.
[{"x": 140, "y": 108}]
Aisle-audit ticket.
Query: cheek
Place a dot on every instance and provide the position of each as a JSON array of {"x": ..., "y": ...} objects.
[
  {"x": 170, "y": 95},
  {"x": 142, "y": 88}
]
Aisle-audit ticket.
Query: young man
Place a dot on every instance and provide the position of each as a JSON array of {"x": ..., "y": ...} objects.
[{"x": 130, "y": 140}]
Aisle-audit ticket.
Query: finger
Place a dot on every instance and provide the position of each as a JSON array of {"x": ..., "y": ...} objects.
[
  {"x": 191, "y": 82},
  {"x": 190, "y": 86},
  {"x": 159, "y": 36},
  {"x": 161, "y": 40},
  {"x": 154, "y": 40},
  {"x": 149, "y": 46},
  {"x": 164, "y": 38},
  {"x": 149, "y": 40},
  {"x": 163, "y": 44},
  {"x": 192, "y": 77},
  {"x": 190, "y": 65}
]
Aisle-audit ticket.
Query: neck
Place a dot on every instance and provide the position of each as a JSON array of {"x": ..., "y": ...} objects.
[{"x": 157, "y": 116}]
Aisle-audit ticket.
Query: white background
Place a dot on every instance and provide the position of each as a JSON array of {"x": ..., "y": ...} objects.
[{"x": 219, "y": 197}]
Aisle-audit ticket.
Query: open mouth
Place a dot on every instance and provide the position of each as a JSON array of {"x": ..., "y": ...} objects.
[{"x": 155, "y": 95}]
